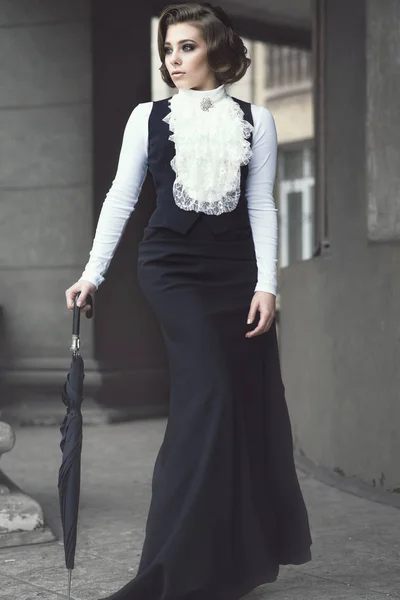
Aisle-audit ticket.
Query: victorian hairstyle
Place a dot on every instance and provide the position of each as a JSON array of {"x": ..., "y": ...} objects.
[{"x": 226, "y": 53}]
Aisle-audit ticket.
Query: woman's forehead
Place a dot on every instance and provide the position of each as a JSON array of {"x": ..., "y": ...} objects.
[{"x": 182, "y": 31}]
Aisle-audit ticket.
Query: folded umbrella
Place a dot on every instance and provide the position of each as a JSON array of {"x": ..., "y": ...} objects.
[{"x": 69, "y": 476}]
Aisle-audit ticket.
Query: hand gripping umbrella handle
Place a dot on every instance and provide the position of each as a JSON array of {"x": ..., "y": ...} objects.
[{"x": 76, "y": 321}]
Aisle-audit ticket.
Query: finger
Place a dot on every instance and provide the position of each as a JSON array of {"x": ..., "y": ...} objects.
[
  {"x": 269, "y": 323},
  {"x": 252, "y": 312},
  {"x": 71, "y": 294},
  {"x": 268, "y": 319},
  {"x": 260, "y": 327},
  {"x": 82, "y": 299},
  {"x": 86, "y": 308},
  {"x": 70, "y": 299}
]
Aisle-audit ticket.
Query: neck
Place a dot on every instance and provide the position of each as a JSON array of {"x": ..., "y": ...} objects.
[
  {"x": 207, "y": 87},
  {"x": 217, "y": 92}
]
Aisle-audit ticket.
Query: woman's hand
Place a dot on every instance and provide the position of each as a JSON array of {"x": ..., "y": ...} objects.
[
  {"x": 264, "y": 302},
  {"x": 85, "y": 288}
]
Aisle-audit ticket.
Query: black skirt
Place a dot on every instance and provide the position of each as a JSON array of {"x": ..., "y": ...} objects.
[{"x": 226, "y": 507}]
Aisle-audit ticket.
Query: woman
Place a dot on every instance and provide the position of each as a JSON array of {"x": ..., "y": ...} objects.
[{"x": 226, "y": 507}]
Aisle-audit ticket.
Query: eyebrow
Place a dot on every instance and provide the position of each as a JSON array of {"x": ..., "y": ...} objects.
[{"x": 180, "y": 42}]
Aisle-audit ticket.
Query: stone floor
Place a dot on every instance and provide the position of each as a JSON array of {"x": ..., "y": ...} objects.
[{"x": 356, "y": 548}]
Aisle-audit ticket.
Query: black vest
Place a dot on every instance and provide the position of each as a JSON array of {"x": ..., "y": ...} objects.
[{"x": 161, "y": 150}]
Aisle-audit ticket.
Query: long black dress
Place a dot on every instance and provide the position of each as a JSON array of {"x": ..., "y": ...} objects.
[{"x": 226, "y": 507}]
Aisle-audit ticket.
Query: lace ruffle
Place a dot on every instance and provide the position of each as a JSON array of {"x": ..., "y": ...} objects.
[{"x": 210, "y": 149}]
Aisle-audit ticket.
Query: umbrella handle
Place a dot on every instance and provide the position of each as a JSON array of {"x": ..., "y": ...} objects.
[{"x": 76, "y": 319}]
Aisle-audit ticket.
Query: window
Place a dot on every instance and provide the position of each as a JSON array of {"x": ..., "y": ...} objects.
[
  {"x": 295, "y": 192},
  {"x": 287, "y": 66}
]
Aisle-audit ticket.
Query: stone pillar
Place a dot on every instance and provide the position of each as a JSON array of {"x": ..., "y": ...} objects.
[
  {"x": 383, "y": 106},
  {"x": 127, "y": 345},
  {"x": 46, "y": 190}
]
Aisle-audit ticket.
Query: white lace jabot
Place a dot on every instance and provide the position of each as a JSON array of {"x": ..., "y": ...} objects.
[{"x": 211, "y": 144}]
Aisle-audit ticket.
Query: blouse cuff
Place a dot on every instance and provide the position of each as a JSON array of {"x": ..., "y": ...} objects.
[
  {"x": 96, "y": 280},
  {"x": 266, "y": 287}
]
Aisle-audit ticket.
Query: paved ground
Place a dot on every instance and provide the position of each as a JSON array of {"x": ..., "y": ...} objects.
[{"x": 356, "y": 542}]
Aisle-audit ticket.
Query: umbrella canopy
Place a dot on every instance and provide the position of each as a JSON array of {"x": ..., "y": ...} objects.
[{"x": 69, "y": 477}]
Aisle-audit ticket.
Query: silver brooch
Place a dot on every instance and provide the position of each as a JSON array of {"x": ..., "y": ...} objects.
[{"x": 206, "y": 104}]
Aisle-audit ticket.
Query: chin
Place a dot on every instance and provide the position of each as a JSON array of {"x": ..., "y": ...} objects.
[{"x": 182, "y": 85}]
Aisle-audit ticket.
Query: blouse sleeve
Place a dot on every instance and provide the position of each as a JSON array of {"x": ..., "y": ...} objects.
[
  {"x": 260, "y": 200},
  {"x": 123, "y": 195}
]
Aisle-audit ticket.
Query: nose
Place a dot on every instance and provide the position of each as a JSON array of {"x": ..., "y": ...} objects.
[{"x": 174, "y": 58}]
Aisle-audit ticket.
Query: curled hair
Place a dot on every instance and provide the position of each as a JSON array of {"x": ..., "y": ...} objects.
[{"x": 226, "y": 53}]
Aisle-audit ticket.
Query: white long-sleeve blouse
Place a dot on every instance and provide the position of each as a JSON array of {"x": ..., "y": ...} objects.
[{"x": 123, "y": 195}]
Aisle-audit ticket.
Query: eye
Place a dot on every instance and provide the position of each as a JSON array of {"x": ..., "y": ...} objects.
[{"x": 188, "y": 47}]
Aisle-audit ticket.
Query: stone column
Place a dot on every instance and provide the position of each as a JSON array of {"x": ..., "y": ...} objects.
[
  {"x": 383, "y": 106},
  {"x": 46, "y": 192}
]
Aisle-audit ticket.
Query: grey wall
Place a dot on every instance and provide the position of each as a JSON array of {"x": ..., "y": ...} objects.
[
  {"x": 340, "y": 324},
  {"x": 45, "y": 170},
  {"x": 383, "y": 133}
]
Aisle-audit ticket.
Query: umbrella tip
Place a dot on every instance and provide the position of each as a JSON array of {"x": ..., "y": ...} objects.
[{"x": 69, "y": 583}]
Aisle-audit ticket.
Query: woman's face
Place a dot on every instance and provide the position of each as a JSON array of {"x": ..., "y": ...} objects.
[{"x": 186, "y": 58}]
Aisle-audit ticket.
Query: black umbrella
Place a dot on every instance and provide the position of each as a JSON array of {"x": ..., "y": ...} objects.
[{"x": 69, "y": 477}]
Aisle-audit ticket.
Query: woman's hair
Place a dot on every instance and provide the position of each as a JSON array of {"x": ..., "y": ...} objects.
[{"x": 226, "y": 53}]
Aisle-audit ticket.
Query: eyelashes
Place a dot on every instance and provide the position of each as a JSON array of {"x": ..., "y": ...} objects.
[{"x": 188, "y": 46}]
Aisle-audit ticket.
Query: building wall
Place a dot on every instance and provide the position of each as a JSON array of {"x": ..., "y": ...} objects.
[
  {"x": 383, "y": 139},
  {"x": 45, "y": 169},
  {"x": 288, "y": 91},
  {"x": 293, "y": 114},
  {"x": 340, "y": 313}
]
